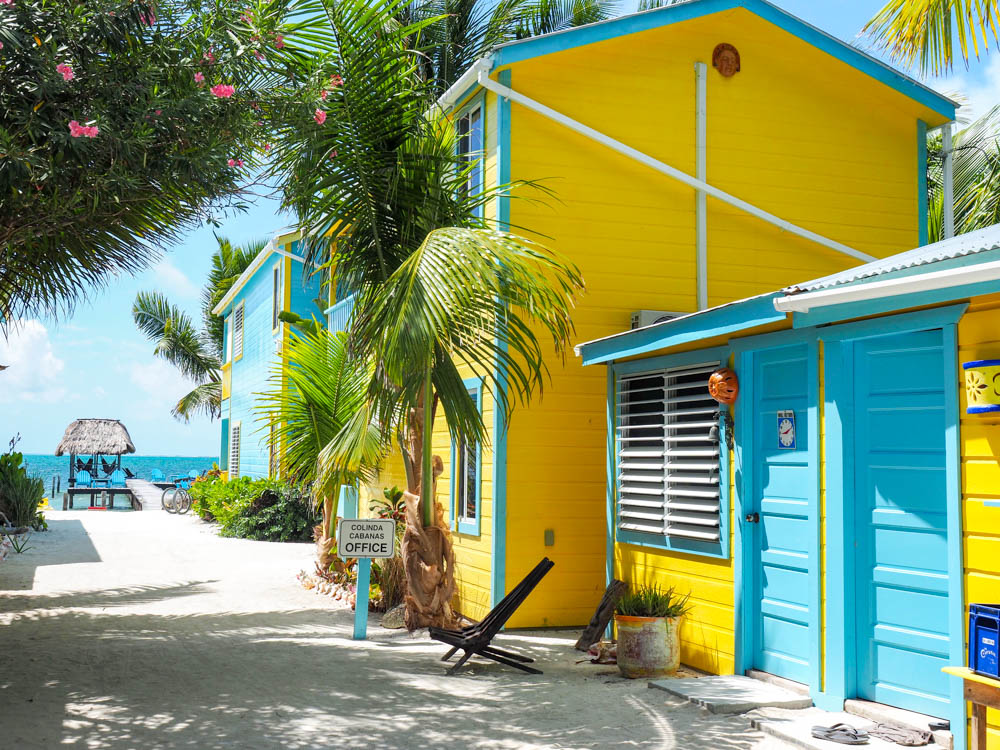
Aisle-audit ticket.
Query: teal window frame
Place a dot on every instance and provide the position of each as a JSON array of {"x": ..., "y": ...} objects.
[
  {"x": 470, "y": 526},
  {"x": 478, "y": 102},
  {"x": 718, "y": 549}
]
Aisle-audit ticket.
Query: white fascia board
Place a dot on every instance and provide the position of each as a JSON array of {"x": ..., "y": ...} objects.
[
  {"x": 449, "y": 98},
  {"x": 889, "y": 287},
  {"x": 254, "y": 266}
]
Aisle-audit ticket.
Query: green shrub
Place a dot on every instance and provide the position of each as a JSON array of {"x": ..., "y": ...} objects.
[
  {"x": 20, "y": 493},
  {"x": 652, "y": 601},
  {"x": 281, "y": 513},
  {"x": 261, "y": 509}
]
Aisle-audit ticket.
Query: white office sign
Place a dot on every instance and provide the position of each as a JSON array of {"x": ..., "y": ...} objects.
[{"x": 366, "y": 537}]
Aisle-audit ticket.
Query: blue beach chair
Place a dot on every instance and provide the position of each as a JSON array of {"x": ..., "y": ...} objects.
[
  {"x": 117, "y": 478},
  {"x": 158, "y": 476},
  {"x": 83, "y": 479}
]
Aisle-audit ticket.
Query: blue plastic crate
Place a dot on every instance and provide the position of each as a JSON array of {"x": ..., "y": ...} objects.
[{"x": 984, "y": 639}]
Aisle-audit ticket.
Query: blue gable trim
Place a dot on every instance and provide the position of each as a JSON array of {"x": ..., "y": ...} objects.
[
  {"x": 637, "y": 22},
  {"x": 719, "y": 321},
  {"x": 922, "y": 183},
  {"x": 498, "y": 578}
]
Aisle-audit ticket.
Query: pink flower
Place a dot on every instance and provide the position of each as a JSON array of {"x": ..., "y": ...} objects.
[
  {"x": 336, "y": 80},
  {"x": 258, "y": 54},
  {"x": 235, "y": 162},
  {"x": 320, "y": 116},
  {"x": 208, "y": 56},
  {"x": 222, "y": 91},
  {"x": 199, "y": 77},
  {"x": 244, "y": 18},
  {"x": 150, "y": 19},
  {"x": 323, "y": 94},
  {"x": 66, "y": 70},
  {"x": 260, "y": 123},
  {"x": 6, "y": 2},
  {"x": 1, "y": 45},
  {"x": 267, "y": 147},
  {"x": 76, "y": 130},
  {"x": 333, "y": 154},
  {"x": 279, "y": 41}
]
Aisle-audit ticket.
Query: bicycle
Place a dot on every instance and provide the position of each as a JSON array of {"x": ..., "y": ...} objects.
[{"x": 175, "y": 500}]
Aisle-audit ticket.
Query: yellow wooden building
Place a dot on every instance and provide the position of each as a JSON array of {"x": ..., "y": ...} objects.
[
  {"x": 699, "y": 153},
  {"x": 860, "y": 488}
]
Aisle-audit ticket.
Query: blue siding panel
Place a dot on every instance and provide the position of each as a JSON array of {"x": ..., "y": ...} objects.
[{"x": 250, "y": 373}]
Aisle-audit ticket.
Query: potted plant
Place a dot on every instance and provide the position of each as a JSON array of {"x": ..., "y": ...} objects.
[{"x": 648, "y": 623}]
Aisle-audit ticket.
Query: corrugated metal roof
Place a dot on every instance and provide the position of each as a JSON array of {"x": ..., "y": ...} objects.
[{"x": 979, "y": 241}]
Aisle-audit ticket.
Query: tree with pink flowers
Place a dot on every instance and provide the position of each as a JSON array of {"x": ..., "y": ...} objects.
[{"x": 123, "y": 124}]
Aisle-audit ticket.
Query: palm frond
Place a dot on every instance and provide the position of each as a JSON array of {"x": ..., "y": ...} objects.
[
  {"x": 922, "y": 32},
  {"x": 176, "y": 338},
  {"x": 203, "y": 399}
]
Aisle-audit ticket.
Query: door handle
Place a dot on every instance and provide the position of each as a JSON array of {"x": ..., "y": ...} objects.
[{"x": 753, "y": 518}]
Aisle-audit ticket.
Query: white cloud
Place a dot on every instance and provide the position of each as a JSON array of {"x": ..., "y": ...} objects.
[
  {"x": 161, "y": 383},
  {"x": 34, "y": 370},
  {"x": 172, "y": 280}
]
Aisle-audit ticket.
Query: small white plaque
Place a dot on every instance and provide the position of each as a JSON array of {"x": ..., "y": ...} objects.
[{"x": 366, "y": 537}]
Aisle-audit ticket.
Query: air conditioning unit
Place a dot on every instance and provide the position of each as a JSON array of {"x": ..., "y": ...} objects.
[
  {"x": 643, "y": 318},
  {"x": 278, "y": 344}
]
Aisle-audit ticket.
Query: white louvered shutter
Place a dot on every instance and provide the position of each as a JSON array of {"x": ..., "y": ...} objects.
[
  {"x": 668, "y": 463},
  {"x": 234, "y": 452},
  {"x": 238, "y": 332}
]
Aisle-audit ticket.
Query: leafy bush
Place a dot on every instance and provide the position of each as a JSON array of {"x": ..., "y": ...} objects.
[
  {"x": 279, "y": 514},
  {"x": 261, "y": 509},
  {"x": 20, "y": 493},
  {"x": 652, "y": 601}
]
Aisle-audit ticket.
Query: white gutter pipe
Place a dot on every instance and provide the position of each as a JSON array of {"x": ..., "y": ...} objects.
[
  {"x": 449, "y": 98},
  {"x": 487, "y": 83},
  {"x": 948, "y": 197},
  {"x": 889, "y": 288},
  {"x": 701, "y": 172}
]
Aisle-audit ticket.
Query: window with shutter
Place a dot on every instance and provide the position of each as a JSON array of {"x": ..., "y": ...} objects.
[
  {"x": 668, "y": 460},
  {"x": 238, "y": 332},
  {"x": 234, "y": 451},
  {"x": 276, "y": 301}
]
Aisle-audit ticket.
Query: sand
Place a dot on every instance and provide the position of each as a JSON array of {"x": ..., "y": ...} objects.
[{"x": 145, "y": 630}]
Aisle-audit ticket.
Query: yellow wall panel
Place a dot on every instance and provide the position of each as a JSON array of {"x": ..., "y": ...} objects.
[
  {"x": 979, "y": 338},
  {"x": 632, "y": 233}
]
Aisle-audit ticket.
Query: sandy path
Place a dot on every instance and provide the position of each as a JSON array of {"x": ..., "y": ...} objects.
[{"x": 143, "y": 630}]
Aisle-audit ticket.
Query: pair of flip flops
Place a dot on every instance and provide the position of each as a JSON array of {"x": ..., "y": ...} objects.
[{"x": 843, "y": 734}]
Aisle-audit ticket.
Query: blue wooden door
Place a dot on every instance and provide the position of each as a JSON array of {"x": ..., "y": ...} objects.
[
  {"x": 900, "y": 521},
  {"x": 784, "y": 485}
]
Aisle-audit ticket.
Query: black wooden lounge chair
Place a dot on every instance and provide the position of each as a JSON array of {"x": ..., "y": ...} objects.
[{"x": 477, "y": 639}]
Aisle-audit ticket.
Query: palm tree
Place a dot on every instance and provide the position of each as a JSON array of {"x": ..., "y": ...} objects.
[
  {"x": 198, "y": 354},
  {"x": 438, "y": 290},
  {"x": 976, "y": 177},
  {"x": 923, "y": 32},
  {"x": 317, "y": 391}
]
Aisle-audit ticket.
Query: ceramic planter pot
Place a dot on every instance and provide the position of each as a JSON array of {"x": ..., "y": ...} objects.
[{"x": 648, "y": 646}]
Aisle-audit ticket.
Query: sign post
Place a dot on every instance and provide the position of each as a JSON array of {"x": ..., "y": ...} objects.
[{"x": 365, "y": 538}]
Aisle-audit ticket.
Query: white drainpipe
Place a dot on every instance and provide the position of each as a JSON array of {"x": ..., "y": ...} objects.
[
  {"x": 947, "y": 142},
  {"x": 701, "y": 172},
  {"x": 487, "y": 83}
]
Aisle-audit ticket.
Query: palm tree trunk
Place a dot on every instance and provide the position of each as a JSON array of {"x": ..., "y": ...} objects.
[{"x": 428, "y": 555}]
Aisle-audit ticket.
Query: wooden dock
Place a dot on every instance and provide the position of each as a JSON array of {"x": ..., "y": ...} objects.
[{"x": 147, "y": 493}]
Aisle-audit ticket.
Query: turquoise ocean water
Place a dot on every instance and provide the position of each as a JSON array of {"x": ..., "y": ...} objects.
[{"x": 48, "y": 467}]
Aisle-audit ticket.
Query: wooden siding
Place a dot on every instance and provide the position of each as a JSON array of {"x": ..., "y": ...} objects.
[
  {"x": 979, "y": 338},
  {"x": 815, "y": 142},
  {"x": 250, "y": 373}
]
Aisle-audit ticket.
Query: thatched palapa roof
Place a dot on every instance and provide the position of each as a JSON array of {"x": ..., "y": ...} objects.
[{"x": 87, "y": 437}]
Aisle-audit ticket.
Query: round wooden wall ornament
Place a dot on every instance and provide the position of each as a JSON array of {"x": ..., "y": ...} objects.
[
  {"x": 724, "y": 386},
  {"x": 726, "y": 60}
]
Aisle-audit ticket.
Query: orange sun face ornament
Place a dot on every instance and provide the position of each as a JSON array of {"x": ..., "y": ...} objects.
[{"x": 724, "y": 386}]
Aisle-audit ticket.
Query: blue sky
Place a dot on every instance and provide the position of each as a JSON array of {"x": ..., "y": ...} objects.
[{"x": 96, "y": 364}]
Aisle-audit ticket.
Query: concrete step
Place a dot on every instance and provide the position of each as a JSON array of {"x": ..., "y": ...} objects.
[
  {"x": 794, "y": 727},
  {"x": 732, "y": 694}
]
